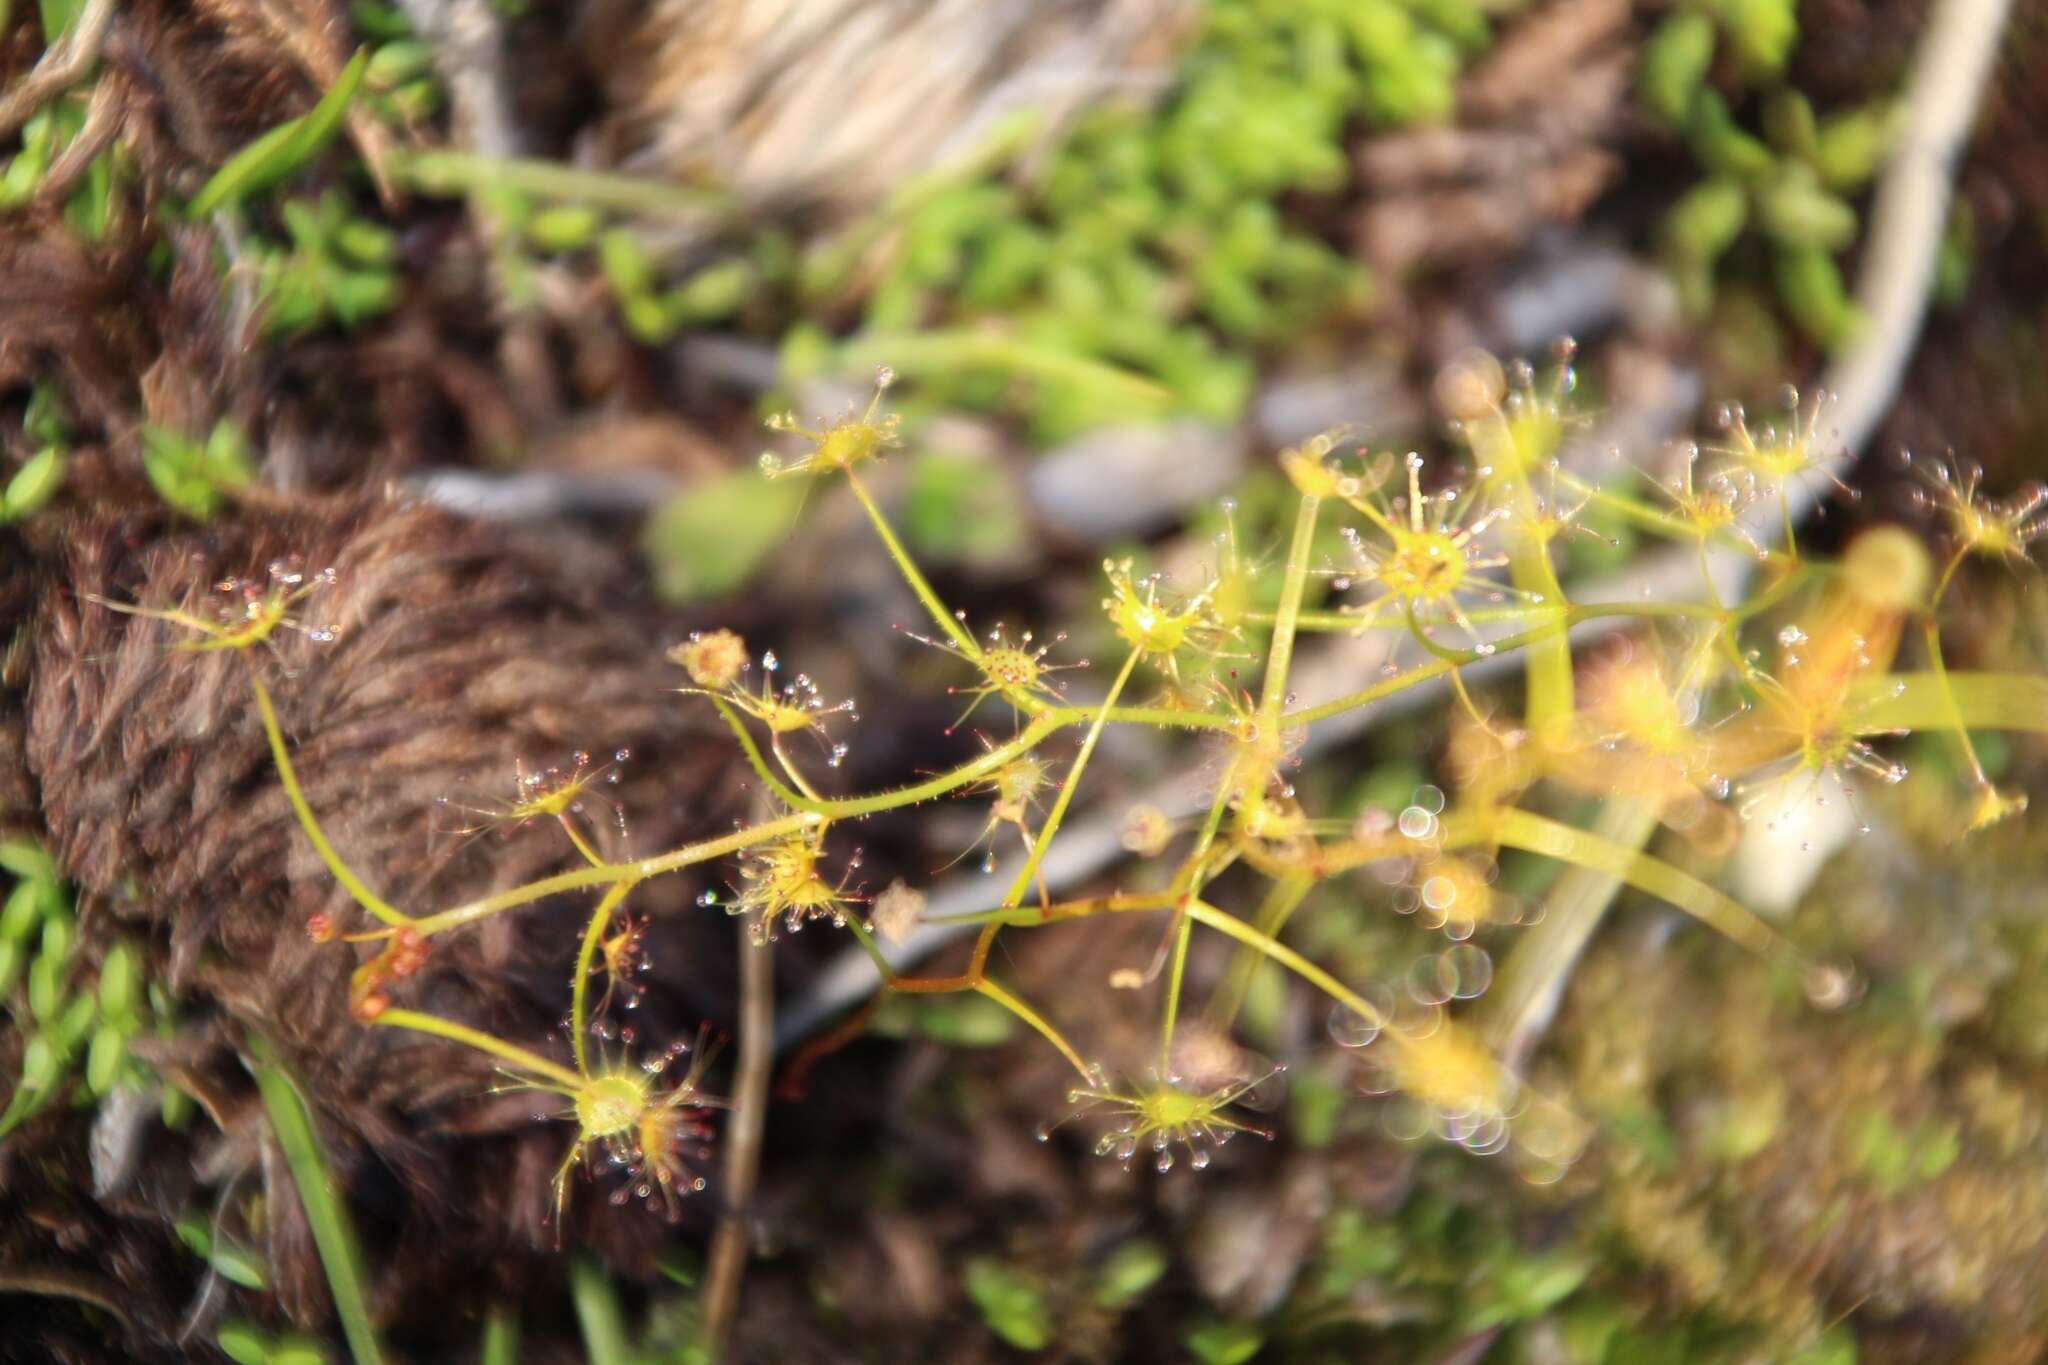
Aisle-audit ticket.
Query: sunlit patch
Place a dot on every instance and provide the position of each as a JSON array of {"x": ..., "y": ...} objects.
[{"x": 1440, "y": 1080}]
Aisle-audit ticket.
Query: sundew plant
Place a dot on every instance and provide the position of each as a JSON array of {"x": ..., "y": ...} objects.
[{"x": 1690, "y": 715}]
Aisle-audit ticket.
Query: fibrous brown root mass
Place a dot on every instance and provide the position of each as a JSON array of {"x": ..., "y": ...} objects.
[{"x": 458, "y": 650}]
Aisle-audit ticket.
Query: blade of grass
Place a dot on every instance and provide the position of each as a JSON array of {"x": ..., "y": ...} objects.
[
  {"x": 501, "y": 1338},
  {"x": 326, "y": 1215},
  {"x": 597, "y": 1313},
  {"x": 285, "y": 148}
]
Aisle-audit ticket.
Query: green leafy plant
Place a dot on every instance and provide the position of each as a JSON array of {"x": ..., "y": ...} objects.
[
  {"x": 1133, "y": 270},
  {"x": 39, "y": 476},
  {"x": 1719, "y": 709},
  {"x": 338, "y": 268},
  {"x": 247, "y": 1344},
  {"x": 89, "y": 206},
  {"x": 67, "y": 1021},
  {"x": 1791, "y": 187},
  {"x": 1011, "y": 1303},
  {"x": 1157, "y": 241},
  {"x": 196, "y": 476}
]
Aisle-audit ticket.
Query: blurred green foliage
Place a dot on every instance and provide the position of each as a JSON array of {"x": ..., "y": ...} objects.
[
  {"x": 1162, "y": 240},
  {"x": 1789, "y": 184},
  {"x": 1011, "y": 1302},
  {"x": 337, "y": 268},
  {"x": 1157, "y": 241},
  {"x": 711, "y": 538},
  {"x": 235, "y": 1264},
  {"x": 1223, "y": 1343},
  {"x": 1130, "y": 1270},
  {"x": 35, "y": 482},
  {"x": 196, "y": 476},
  {"x": 66, "y": 1020},
  {"x": 89, "y": 206},
  {"x": 963, "y": 509},
  {"x": 247, "y": 1344}
]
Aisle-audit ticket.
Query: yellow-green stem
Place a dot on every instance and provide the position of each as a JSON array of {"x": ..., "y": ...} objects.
[
  {"x": 1280, "y": 654},
  {"x": 559, "y": 1076},
  {"x": 1188, "y": 883},
  {"x": 1060, "y": 911},
  {"x": 1205, "y": 913},
  {"x": 1550, "y": 658},
  {"x": 439, "y": 171},
  {"x": 1538, "y": 834},
  {"x": 1183, "y": 930},
  {"x": 1037, "y": 1021},
  {"x": 1283, "y": 897},
  {"x": 582, "y": 845},
  {"x": 1927, "y": 701},
  {"x": 1939, "y": 669},
  {"x": 1029, "y": 871},
  {"x": 945, "y": 620},
  {"x": 1526, "y": 989},
  {"x": 607, "y": 873},
  {"x": 1454, "y": 658},
  {"x": 586, "y": 957},
  {"x": 796, "y": 778},
  {"x": 355, "y": 885}
]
